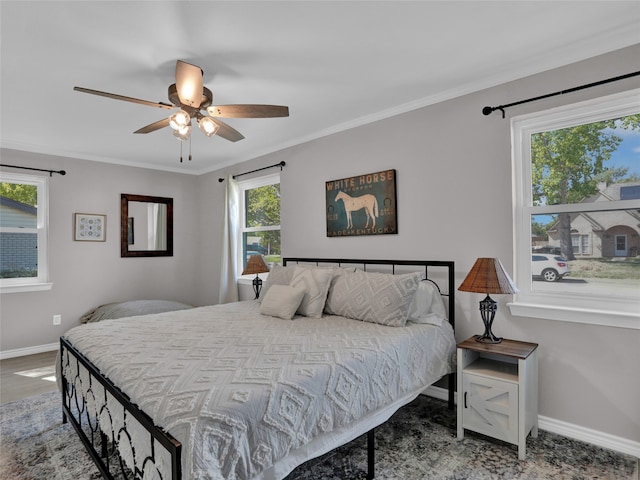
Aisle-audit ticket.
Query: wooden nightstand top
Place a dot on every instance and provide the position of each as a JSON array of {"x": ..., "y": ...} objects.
[{"x": 510, "y": 348}]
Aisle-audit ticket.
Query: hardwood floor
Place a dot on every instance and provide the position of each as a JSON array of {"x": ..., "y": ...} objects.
[{"x": 22, "y": 377}]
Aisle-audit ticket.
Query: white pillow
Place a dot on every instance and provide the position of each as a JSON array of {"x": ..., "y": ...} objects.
[
  {"x": 427, "y": 305},
  {"x": 336, "y": 296},
  {"x": 278, "y": 275},
  {"x": 281, "y": 301},
  {"x": 373, "y": 297},
  {"x": 315, "y": 281}
]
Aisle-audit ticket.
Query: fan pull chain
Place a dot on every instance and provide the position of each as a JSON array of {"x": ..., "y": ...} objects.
[
  {"x": 180, "y": 152},
  {"x": 189, "y": 147}
]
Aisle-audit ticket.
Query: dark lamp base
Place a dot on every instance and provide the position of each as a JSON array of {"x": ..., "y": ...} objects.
[
  {"x": 490, "y": 338},
  {"x": 488, "y": 309},
  {"x": 257, "y": 286}
]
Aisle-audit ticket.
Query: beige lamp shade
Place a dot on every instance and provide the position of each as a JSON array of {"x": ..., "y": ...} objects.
[
  {"x": 255, "y": 264},
  {"x": 488, "y": 276}
]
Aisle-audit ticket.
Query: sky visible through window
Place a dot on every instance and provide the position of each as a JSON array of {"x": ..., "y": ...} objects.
[{"x": 628, "y": 152}]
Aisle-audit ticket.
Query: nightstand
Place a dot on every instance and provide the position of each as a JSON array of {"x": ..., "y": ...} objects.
[{"x": 498, "y": 390}]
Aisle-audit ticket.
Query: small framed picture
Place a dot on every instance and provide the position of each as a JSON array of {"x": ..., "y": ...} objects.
[{"x": 90, "y": 227}]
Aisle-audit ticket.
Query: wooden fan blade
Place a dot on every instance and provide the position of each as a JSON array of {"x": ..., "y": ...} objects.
[
  {"x": 226, "y": 131},
  {"x": 152, "y": 127},
  {"x": 248, "y": 111},
  {"x": 189, "y": 83},
  {"x": 122, "y": 97}
]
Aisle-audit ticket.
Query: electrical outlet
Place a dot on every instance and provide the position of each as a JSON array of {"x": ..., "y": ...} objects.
[{"x": 57, "y": 319}]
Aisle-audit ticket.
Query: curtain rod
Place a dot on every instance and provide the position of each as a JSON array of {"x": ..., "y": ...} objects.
[
  {"x": 281, "y": 164},
  {"x": 490, "y": 110},
  {"x": 51, "y": 172}
]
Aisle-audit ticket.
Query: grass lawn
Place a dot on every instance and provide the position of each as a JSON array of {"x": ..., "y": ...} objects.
[{"x": 619, "y": 268}]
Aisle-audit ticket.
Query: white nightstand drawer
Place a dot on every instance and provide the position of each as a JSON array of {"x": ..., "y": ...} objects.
[{"x": 490, "y": 407}]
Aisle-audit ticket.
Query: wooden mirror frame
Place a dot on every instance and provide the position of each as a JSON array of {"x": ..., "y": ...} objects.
[{"x": 125, "y": 198}]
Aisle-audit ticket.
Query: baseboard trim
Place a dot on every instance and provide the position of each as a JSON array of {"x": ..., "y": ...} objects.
[
  {"x": 601, "y": 439},
  {"x": 569, "y": 430},
  {"x": 439, "y": 393},
  {"x": 21, "y": 352}
]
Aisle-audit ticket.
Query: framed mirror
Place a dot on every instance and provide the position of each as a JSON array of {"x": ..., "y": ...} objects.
[{"x": 146, "y": 226}]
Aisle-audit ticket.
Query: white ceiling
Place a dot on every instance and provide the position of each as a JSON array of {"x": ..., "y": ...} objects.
[{"x": 335, "y": 64}]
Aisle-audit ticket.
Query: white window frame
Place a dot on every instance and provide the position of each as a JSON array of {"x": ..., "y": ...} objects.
[
  {"x": 41, "y": 282},
  {"x": 243, "y": 186},
  {"x": 604, "y": 310}
]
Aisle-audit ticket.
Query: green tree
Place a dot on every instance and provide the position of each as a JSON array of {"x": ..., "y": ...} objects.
[
  {"x": 20, "y": 192},
  {"x": 568, "y": 164},
  {"x": 617, "y": 174},
  {"x": 538, "y": 229},
  {"x": 263, "y": 210}
]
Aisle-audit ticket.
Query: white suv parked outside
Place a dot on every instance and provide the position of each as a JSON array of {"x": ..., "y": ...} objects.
[{"x": 550, "y": 268}]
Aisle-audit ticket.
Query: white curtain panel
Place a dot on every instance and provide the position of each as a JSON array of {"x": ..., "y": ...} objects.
[
  {"x": 228, "y": 268},
  {"x": 157, "y": 226}
]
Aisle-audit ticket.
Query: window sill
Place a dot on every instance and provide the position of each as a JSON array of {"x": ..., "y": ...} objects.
[
  {"x": 26, "y": 287},
  {"x": 606, "y": 318}
]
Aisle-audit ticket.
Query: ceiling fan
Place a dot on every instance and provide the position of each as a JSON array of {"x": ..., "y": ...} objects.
[{"x": 192, "y": 97}]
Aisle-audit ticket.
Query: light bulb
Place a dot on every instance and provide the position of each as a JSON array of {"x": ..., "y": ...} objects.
[
  {"x": 182, "y": 133},
  {"x": 207, "y": 125},
  {"x": 179, "y": 120}
]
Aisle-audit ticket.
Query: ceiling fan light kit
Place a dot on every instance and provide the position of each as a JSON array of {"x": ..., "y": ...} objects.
[
  {"x": 191, "y": 96},
  {"x": 182, "y": 133},
  {"x": 179, "y": 120},
  {"x": 207, "y": 125}
]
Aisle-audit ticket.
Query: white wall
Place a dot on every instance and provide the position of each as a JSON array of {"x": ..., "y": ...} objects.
[
  {"x": 454, "y": 203},
  {"x": 88, "y": 274}
]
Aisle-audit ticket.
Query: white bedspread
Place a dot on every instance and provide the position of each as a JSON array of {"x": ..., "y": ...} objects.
[{"x": 244, "y": 393}]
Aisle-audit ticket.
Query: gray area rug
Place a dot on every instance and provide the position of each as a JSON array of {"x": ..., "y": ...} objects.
[{"x": 418, "y": 442}]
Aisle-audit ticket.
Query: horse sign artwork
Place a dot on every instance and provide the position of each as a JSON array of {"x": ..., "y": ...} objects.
[
  {"x": 366, "y": 201},
  {"x": 362, "y": 205}
]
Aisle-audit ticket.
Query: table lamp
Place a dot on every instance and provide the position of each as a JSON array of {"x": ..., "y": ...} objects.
[
  {"x": 488, "y": 276},
  {"x": 256, "y": 264}
]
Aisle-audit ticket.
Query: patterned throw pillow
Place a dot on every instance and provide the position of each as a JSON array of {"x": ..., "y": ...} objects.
[
  {"x": 316, "y": 282},
  {"x": 337, "y": 296},
  {"x": 278, "y": 275},
  {"x": 373, "y": 297}
]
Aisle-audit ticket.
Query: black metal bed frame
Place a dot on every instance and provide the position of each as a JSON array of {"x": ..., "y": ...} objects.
[
  {"x": 86, "y": 406},
  {"x": 86, "y": 393}
]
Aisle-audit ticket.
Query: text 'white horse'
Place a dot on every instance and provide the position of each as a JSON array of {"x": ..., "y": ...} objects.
[{"x": 368, "y": 202}]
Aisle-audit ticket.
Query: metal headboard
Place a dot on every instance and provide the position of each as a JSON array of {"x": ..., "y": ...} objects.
[{"x": 446, "y": 291}]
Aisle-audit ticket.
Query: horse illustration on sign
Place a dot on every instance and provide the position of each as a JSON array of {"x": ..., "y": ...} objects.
[
  {"x": 368, "y": 202},
  {"x": 362, "y": 205}
]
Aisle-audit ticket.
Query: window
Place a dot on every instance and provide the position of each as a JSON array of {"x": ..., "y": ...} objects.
[
  {"x": 23, "y": 233},
  {"x": 580, "y": 244},
  {"x": 577, "y": 195},
  {"x": 260, "y": 219}
]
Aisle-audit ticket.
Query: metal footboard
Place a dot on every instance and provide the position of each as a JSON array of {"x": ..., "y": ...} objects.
[{"x": 121, "y": 439}]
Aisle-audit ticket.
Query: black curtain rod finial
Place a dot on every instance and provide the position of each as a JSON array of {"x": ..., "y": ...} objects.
[{"x": 489, "y": 110}]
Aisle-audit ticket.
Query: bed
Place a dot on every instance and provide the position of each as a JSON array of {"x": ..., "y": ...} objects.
[{"x": 252, "y": 389}]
